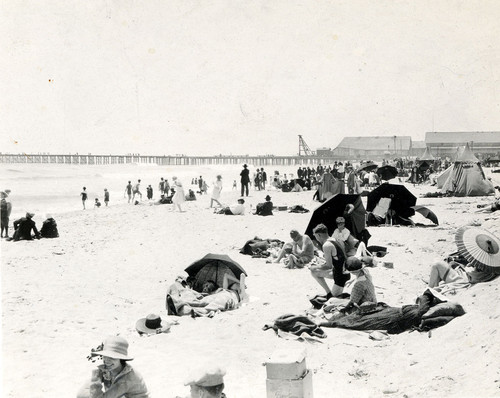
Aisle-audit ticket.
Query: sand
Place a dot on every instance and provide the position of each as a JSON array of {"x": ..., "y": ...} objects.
[{"x": 112, "y": 266}]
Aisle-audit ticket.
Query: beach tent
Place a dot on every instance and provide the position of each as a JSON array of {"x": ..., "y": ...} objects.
[
  {"x": 467, "y": 177},
  {"x": 441, "y": 178},
  {"x": 334, "y": 207},
  {"x": 213, "y": 267}
]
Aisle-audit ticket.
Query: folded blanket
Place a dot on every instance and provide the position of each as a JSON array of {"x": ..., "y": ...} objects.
[{"x": 297, "y": 325}]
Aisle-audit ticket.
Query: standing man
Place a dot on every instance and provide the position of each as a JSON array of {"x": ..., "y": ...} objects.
[
  {"x": 333, "y": 267},
  {"x": 245, "y": 179},
  {"x": 200, "y": 185},
  {"x": 5, "y": 210},
  {"x": 161, "y": 186},
  {"x": 128, "y": 191},
  {"x": 351, "y": 181},
  {"x": 84, "y": 196},
  {"x": 106, "y": 197},
  {"x": 137, "y": 190},
  {"x": 264, "y": 178}
]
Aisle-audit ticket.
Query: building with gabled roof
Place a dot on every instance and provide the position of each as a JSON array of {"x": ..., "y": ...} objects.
[
  {"x": 443, "y": 143},
  {"x": 373, "y": 147}
]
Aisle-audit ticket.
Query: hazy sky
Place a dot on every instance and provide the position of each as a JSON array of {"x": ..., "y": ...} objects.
[{"x": 229, "y": 76}]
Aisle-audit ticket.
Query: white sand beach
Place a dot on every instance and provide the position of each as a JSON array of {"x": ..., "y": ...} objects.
[{"x": 112, "y": 266}]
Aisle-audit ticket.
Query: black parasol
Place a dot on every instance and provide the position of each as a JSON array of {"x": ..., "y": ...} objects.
[
  {"x": 387, "y": 172},
  {"x": 213, "y": 267},
  {"x": 402, "y": 199},
  {"x": 335, "y": 207}
]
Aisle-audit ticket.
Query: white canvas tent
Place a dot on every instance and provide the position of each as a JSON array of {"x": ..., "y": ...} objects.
[{"x": 466, "y": 177}]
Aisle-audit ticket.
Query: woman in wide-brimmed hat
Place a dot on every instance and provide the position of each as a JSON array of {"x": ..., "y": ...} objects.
[{"x": 115, "y": 378}]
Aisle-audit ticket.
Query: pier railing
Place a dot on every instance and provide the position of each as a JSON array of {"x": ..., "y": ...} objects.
[{"x": 177, "y": 160}]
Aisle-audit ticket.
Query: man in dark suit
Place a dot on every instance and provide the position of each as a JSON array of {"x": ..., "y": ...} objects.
[{"x": 245, "y": 179}]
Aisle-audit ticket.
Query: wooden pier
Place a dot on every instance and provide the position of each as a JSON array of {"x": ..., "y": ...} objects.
[{"x": 177, "y": 160}]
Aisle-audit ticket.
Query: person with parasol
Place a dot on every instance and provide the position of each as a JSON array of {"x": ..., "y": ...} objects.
[{"x": 477, "y": 260}]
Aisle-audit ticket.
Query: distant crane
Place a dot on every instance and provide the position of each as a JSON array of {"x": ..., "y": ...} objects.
[{"x": 304, "y": 149}]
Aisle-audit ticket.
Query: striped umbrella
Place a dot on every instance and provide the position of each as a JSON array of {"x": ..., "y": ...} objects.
[{"x": 479, "y": 246}]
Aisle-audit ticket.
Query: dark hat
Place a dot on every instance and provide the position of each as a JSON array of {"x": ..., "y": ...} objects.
[
  {"x": 294, "y": 233},
  {"x": 245, "y": 165},
  {"x": 30, "y": 215},
  {"x": 150, "y": 325},
  {"x": 353, "y": 264},
  {"x": 268, "y": 197}
]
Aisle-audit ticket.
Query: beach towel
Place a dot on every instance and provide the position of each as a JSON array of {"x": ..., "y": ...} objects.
[{"x": 297, "y": 325}]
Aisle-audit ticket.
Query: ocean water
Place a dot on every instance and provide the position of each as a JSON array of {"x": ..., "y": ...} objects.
[{"x": 55, "y": 188}]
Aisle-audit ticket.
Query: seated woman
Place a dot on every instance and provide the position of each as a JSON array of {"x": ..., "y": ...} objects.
[
  {"x": 362, "y": 292},
  {"x": 115, "y": 377},
  {"x": 190, "y": 302},
  {"x": 298, "y": 253}
]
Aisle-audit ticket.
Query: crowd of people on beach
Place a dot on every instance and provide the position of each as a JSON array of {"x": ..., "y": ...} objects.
[{"x": 338, "y": 256}]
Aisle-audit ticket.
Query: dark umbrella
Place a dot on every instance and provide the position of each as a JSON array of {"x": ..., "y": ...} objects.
[
  {"x": 426, "y": 213},
  {"x": 401, "y": 199},
  {"x": 213, "y": 267},
  {"x": 334, "y": 207},
  {"x": 368, "y": 166},
  {"x": 387, "y": 172}
]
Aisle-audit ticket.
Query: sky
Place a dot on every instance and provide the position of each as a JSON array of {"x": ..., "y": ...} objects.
[{"x": 242, "y": 77}]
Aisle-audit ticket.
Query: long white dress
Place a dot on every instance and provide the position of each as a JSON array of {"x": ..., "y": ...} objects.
[
  {"x": 217, "y": 189},
  {"x": 179, "y": 196}
]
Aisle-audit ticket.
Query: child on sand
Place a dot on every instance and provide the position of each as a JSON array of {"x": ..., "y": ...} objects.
[{"x": 97, "y": 203}]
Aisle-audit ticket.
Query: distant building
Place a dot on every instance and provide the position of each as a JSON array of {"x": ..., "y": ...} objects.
[
  {"x": 446, "y": 143},
  {"x": 418, "y": 148},
  {"x": 327, "y": 152},
  {"x": 374, "y": 147}
]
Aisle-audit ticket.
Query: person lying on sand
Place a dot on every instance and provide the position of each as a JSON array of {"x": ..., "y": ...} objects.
[
  {"x": 115, "y": 377},
  {"x": 490, "y": 208},
  {"x": 235, "y": 210},
  {"x": 458, "y": 272},
  {"x": 333, "y": 265},
  {"x": 301, "y": 253},
  {"x": 211, "y": 300}
]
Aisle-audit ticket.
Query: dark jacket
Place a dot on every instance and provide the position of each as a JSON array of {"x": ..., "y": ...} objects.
[
  {"x": 265, "y": 209},
  {"x": 23, "y": 228},
  {"x": 245, "y": 176},
  {"x": 49, "y": 229}
]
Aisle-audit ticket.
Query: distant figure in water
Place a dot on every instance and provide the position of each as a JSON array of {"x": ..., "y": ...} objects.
[
  {"x": 106, "y": 197},
  {"x": 97, "y": 203},
  {"x": 84, "y": 196}
]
